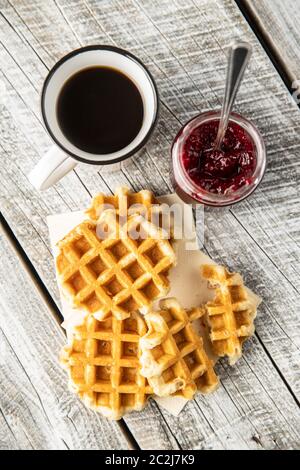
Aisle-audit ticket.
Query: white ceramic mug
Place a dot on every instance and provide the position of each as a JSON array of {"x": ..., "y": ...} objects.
[{"x": 64, "y": 156}]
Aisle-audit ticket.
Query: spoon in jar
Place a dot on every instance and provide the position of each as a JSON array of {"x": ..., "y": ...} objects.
[{"x": 239, "y": 55}]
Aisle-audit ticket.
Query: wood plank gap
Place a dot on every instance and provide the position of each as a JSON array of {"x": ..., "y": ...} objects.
[
  {"x": 32, "y": 384},
  {"x": 30, "y": 269},
  {"x": 267, "y": 43},
  {"x": 8, "y": 425},
  {"x": 22, "y": 37},
  {"x": 167, "y": 425},
  {"x": 278, "y": 370},
  {"x": 264, "y": 252},
  {"x": 269, "y": 355},
  {"x": 44, "y": 293}
]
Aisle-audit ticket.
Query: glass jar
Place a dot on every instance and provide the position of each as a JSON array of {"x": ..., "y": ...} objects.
[{"x": 188, "y": 190}]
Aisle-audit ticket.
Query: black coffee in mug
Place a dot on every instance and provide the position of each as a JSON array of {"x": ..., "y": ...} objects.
[
  {"x": 100, "y": 110},
  {"x": 99, "y": 105}
]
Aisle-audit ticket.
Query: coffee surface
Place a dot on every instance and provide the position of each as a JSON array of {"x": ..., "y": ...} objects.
[{"x": 100, "y": 110}]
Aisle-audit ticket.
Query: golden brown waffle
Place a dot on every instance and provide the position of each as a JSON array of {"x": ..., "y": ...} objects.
[
  {"x": 173, "y": 357},
  {"x": 231, "y": 314},
  {"x": 114, "y": 274},
  {"x": 103, "y": 365},
  {"x": 124, "y": 202}
]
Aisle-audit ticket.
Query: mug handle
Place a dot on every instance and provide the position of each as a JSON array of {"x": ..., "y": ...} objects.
[{"x": 51, "y": 168}]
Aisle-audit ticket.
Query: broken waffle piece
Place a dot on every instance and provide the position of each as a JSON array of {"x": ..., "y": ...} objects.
[
  {"x": 173, "y": 357},
  {"x": 102, "y": 360},
  {"x": 230, "y": 316},
  {"x": 124, "y": 202},
  {"x": 114, "y": 273}
]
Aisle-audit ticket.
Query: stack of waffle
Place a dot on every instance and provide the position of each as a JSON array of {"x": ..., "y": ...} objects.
[{"x": 112, "y": 268}]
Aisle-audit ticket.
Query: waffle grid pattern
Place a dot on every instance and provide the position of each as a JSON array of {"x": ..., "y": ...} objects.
[
  {"x": 115, "y": 275},
  {"x": 231, "y": 314},
  {"x": 173, "y": 356},
  {"x": 103, "y": 365},
  {"x": 124, "y": 202}
]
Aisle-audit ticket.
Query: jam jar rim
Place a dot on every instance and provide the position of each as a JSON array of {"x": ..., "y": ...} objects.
[{"x": 199, "y": 194}]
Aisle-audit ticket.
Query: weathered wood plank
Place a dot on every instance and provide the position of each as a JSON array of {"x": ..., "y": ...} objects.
[
  {"x": 8, "y": 440},
  {"x": 38, "y": 212},
  {"x": 34, "y": 401},
  {"x": 21, "y": 406},
  {"x": 279, "y": 23},
  {"x": 183, "y": 44},
  {"x": 252, "y": 410},
  {"x": 277, "y": 331}
]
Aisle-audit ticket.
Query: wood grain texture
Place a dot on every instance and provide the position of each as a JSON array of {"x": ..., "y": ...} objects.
[
  {"x": 27, "y": 425},
  {"x": 280, "y": 22},
  {"x": 37, "y": 408},
  {"x": 183, "y": 43}
]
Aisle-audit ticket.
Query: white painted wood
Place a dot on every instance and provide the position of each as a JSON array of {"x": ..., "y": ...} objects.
[
  {"x": 281, "y": 23},
  {"x": 28, "y": 426},
  {"x": 251, "y": 410},
  {"x": 38, "y": 410},
  {"x": 183, "y": 43}
]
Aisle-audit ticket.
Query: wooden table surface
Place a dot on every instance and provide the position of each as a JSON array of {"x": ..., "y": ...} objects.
[{"x": 183, "y": 42}]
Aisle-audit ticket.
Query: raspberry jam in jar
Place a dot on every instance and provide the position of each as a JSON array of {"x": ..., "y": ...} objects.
[
  {"x": 217, "y": 177},
  {"x": 224, "y": 170}
]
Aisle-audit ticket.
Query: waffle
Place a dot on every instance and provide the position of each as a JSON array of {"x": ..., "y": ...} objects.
[
  {"x": 114, "y": 273},
  {"x": 102, "y": 361},
  {"x": 230, "y": 316},
  {"x": 173, "y": 357},
  {"x": 124, "y": 202}
]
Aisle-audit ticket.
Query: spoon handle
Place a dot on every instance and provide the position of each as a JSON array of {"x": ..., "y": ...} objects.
[{"x": 239, "y": 55}]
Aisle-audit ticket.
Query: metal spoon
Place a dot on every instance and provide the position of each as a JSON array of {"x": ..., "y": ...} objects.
[{"x": 239, "y": 55}]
